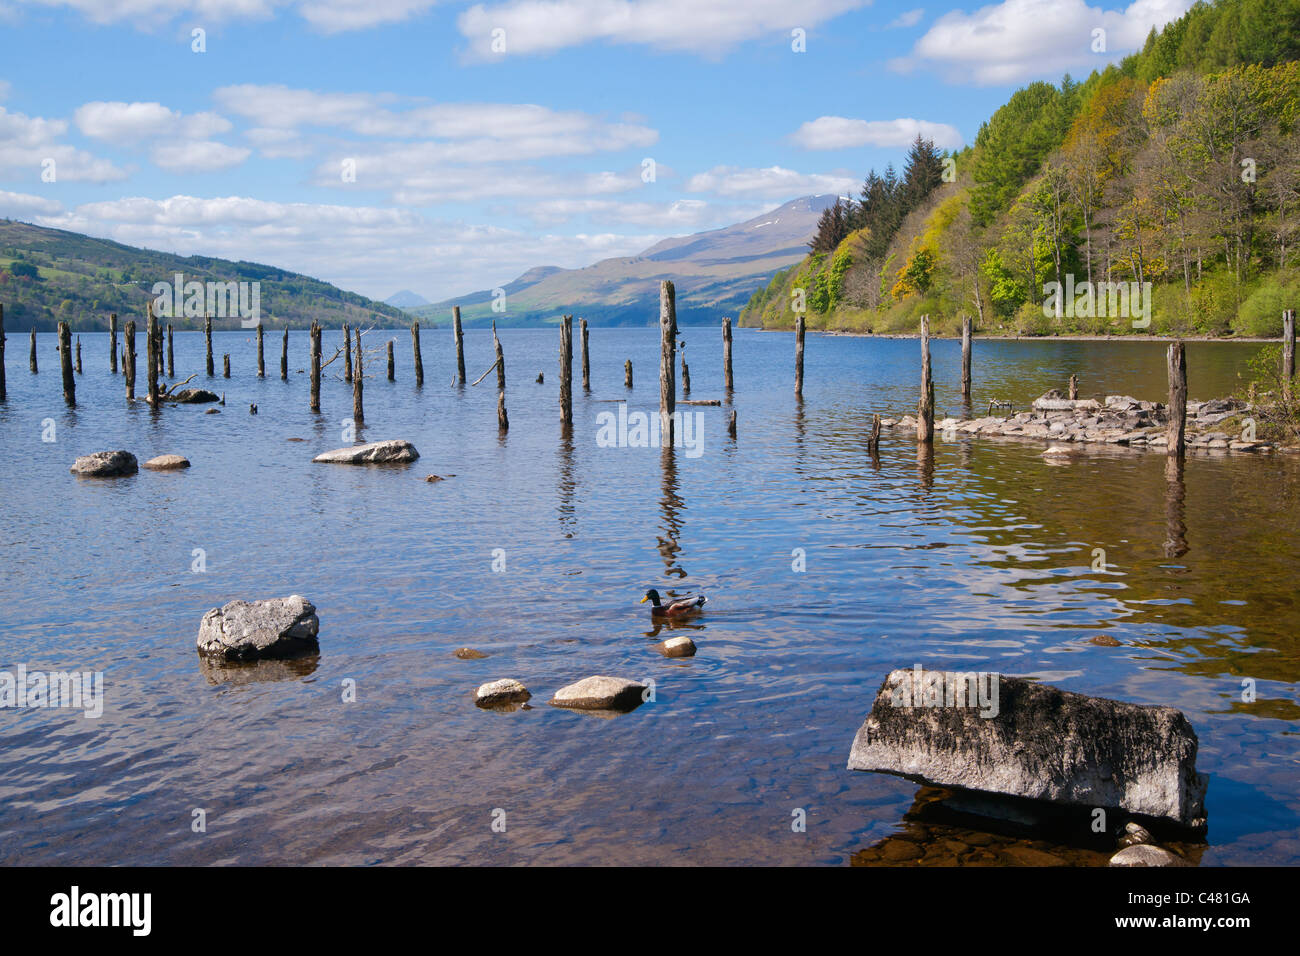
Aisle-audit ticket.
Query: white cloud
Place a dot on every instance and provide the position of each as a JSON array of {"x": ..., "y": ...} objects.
[
  {"x": 203, "y": 156},
  {"x": 327, "y": 16},
  {"x": 25, "y": 206},
  {"x": 1019, "y": 39},
  {"x": 130, "y": 123},
  {"x": 904, "y": 20},
  {"x": 27, "y": 143},
  {"x": 336, "y": 16},
  {"x": 705, "y": 27},
  {"x": 679, "y": 215},
  {"x": 838, "y": 132},
  {"x": 774, "y": 182}
]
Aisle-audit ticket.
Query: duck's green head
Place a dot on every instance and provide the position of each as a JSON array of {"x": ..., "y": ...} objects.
[{"x": 652, "y": 596}]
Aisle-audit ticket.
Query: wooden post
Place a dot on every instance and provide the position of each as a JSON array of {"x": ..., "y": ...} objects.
[
  {"x": 158, "y": 347},
  {"x": 566, "y": 370},
  {"x": 627, "y": 374},
  {"x": 3, "y": 392},
  {"x": 501, "y": 362},
  {"x": 225, "y": 365},
  {"x": 873, "y": 443},
  {"x": 1074, "y": 388},
  {"x": 65, "y": 359},
  {"x": 128, "y": 360},
  {"x": 503, "y": 420},
  {"x": 78, "y": 354},
  {"x": 419, "y": 359},
  {"x": 459, "y": 334},
  {"x": 727, "y": 382},
  {"x": 171, "y": 354},
  {"x": 965, "y": 357},
  {"x": 390, "y": 360},
  {"x": 31, "y": 357},
  {"x": 314, "y": 337},
  {"x": 799, "y": 326},
  {"x": 358, "y": 380},
  {"x": 1288, "y": 352},
  {"x": 586, "y": 366},
  {"x": 207, "y": 335},
  {"x": 261, "y": 360},
  {"x": 1177, "y": 400},
  {"x": 667, "y": 365},
  {"x": 153, "y": 358},
  {"x": 686, "y": 376},
  {"x": 731, "y": 424},
  {"x": 284, "y": 356},
  {"x": 347, "y": 354},
  {"x": 925, "y": 408},
  {"x": 112, "y": 343}
]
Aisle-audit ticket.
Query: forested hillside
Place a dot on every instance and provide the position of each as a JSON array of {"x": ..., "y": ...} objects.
[{"x": 1180, "y": 167}]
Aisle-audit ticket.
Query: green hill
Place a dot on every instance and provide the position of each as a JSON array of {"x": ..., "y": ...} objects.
[
  {"x": 48, "y": 276},
  {"x": 1180, "y": 167}
]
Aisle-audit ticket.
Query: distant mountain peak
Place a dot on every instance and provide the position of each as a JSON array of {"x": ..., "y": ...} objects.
[{"x": 406, "y": 299}]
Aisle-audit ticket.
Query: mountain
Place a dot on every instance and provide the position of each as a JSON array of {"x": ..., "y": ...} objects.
[
  {"x": 713, "y": 272},
  {"x": 49, "y": 275},
  {"x": 406, "y": 299}
]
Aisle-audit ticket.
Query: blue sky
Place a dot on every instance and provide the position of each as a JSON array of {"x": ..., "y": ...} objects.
[{"x": 489, "y": 138}]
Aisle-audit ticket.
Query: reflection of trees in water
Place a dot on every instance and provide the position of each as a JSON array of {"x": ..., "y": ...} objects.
[
  {"x": 670, "y": 508},
  {"x": 567, "y": 485}
]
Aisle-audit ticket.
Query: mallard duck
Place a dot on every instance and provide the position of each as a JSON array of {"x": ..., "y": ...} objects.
[{"x": 674, "y": 609}]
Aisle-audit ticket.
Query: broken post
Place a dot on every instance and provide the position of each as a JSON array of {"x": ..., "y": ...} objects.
[
  {"x": 586, "y": 367},
  {"x": 686, "y": 375},
  {"x": 503, "y": 420},
  {"x": 965, "y": 358},
  {"x": 171, "y": 354},
  {"x": 31, "y": 357},
  {"x": 731, "y": 424},
  {"x": 799, "y": 325},
  {"x": 501, "y": 361},
  {"x": 1074, "y": 388},
  {"x": 1177, "y": 399},
  {"x": 207, "y": 334},
  {"x": 667, "y": 355},
  {"x": 419, "y": 359},
  {"x": 358, "y": 378},
  {"x": 347, "y": 354},
  {"x": 627, "y": 374},
  {"x": 112, "y": 343},
  {"x": 727, "y": 382},
  {"x": 1288, "y": 352},
  {"x": 65, "y": 360},
  {"x": 873, "y": 442},
  {"x": 225, "y": 365},
  {"x": 284, "y": 356},
  {"x": 566, "y": 370},
  {"x": 153, "y": 358},
  {"x": 459, "y": 335},
  {"x": 78, "y": 354},
  {"x": 925, "y": 408},
  {"x": 261, "y": 359},
  {"x": 128, "y": 361},
  {"x": 390, "y": 360},
  {"x": 314, "y": 336}
]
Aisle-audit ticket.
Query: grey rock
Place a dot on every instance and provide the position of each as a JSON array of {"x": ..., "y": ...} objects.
[
  {"x": 1144, "y": 854},
  {"x": 375, "y": 453},
  {"x": 600, "y": 693},
  {"x": 1043, "y": 743},
  {"x": 676, "y": 647},
  {"x": 105, "y": 464},
  {"x": 498, "y": 692},
  {"x": 193, "y": 396},
  {"x": 167, "y": 463},
  {"x": 249, "y": 630}
]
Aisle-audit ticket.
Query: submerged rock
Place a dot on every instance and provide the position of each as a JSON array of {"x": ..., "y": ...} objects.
[
  {"x": 600, "y": 693},
  {"x": 105, "y": 464},
  {"x": 375, "y": 453},
  {"x": 248, "y": 630},
  {"x": 1036, "y": 741},
  {"x": 469, "y": 654},
  {"x": 167, "y": 463},
  {"x": 1144, "y": 854},
  {"x": 498, "y": 692},
  {"x": 193, "y": 396},
  {"x": 676, "y": 647}
]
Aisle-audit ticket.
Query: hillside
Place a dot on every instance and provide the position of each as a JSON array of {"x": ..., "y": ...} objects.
[
  {"x": 713, "y": 272},
  {"x": 1178, "y": 168},
  {"x": 48, "y": 275}
]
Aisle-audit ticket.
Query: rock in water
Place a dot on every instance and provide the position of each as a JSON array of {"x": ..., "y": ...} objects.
[
  {"x": 1144, "y": 854},
  {"x": 375, "y": 453},
  {"x": 498, "y": 692},
  {"x": 676, "y": 647},
  {"x": 193, "y": 396},
  {"x": 248, "y": 630},
  {"x": 1036, "y": 741},
  {"x": 600, "y": 693},
  {"x": 105, "y": 464},
  {"x": 167, "y": 463}
]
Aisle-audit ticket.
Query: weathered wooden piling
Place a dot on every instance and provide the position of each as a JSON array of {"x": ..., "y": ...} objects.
[
  {"x": 501, "y": 360},
  {"x": 158, "y": 347},
  {"x": 225, "y": 365},
  {"x": 728, "y": 382},
  {"x": 686, "y": 375},
  {"x": 171, "y": 354},
  {"x": 1074, "y": 388},
  {"x": 566, "y": 370},
  {"x": 153, "y": 358},
  {"x": 31, "y": 356},
  {"x": 358, "y": 382},
  {"x": 112, "y": 343},
  {"x": 3, "y": 392},
  {"x": 925, "y": 408},
  {"x": 873, "y": 441},
  {"x": 1288, "y": 352},
  {"x": 390, "y": 360},
  {"x": 799, "y": 328},
  {"x": 965, "y": 357},
  {"x": 65, "y": 360},
  {"x": 284, "y": 356},
  {"x": 128, "y": 360},
  {"x": 261, "y": 358},
  {"x": 207, "y": 335},
  {"x": 503, "y": 420},
  {"x": 586, "y": 365},
  {"x": 667, "y": 365},
  {"x": 78, "y": 354},
  {"x": 731, "y": 424},
  {"x": 314, "y": 337},
  {"x": 627, "y": 374},
  {"x": 459, "y": 334},
  {"x": 418, "y": 358},
  {"x": 1176, "y": 434},
  {"x": 347, "y": 354}
]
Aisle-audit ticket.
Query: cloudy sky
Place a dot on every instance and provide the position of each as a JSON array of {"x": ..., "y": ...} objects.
[{"x": 446, "y": 147}]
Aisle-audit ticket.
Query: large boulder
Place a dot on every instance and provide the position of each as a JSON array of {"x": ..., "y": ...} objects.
[
  {"x": 105, "y": 464},
  {"x": 1025, "y": 739},
  {"x": 500, "y": 692},
  {"x": 600, "y": 693},
  {"x": 375, "y": 453},
  {"x": 193, "y": 396},
  {"x": 249, "y": 630}
]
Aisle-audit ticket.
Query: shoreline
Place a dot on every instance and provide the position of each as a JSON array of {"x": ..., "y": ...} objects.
[{"x": 1034, "y": 338}]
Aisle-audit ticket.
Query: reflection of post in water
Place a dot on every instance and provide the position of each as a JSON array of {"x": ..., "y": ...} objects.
[
  {"x": 1175, "y": 523},
  {"x": 567, "y": 484},
  {"x": 670, "y": 507},
  {"x": 925, "y": 464},
  {"x": 800, "y": 426}
]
